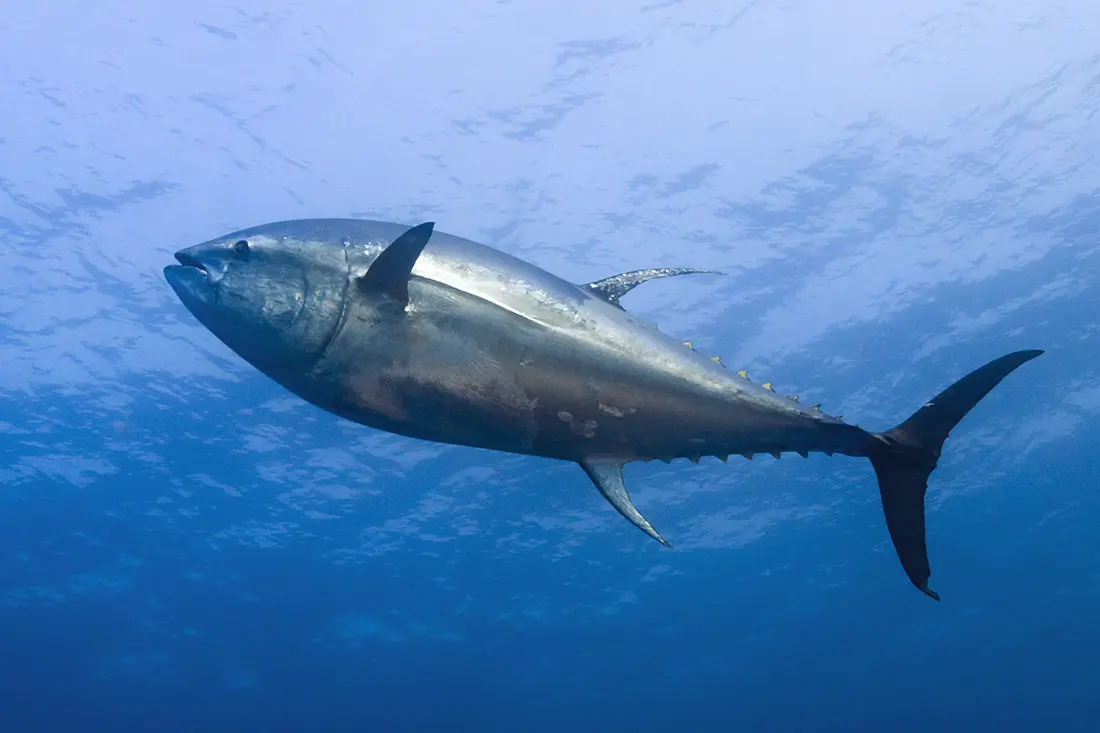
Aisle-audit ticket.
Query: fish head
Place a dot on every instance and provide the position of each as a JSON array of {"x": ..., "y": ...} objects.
[{"x": 270, "y": 294}]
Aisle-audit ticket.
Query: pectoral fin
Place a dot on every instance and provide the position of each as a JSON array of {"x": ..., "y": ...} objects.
[
  {"x": 608, "y": 476},
  {"x": 614, "y": 287},
  {"x": 389, "y": 274}
]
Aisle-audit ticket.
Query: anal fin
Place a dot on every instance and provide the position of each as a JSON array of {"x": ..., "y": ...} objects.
[{"x": 607, "y": 474}]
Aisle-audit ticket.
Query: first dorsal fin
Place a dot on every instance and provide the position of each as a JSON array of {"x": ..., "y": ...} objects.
[
  {"x": 390, "y": 272},
  {"x": 614, "y": 287},
  {"x": 607, "y": 474}
]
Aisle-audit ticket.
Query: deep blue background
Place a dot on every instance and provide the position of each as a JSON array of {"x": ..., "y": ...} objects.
[{"x": 897, "y": 195}]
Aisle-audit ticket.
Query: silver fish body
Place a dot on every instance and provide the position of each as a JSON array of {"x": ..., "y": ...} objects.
[{"x": 436, "y": 337}]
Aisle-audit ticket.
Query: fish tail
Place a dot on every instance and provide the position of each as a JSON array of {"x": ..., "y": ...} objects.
[{"x": 905, "y": 456}]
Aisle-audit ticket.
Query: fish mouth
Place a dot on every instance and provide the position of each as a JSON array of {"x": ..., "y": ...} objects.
[
  {"x": 190, "y": 261},
  {"x": 192, "y": 281}
]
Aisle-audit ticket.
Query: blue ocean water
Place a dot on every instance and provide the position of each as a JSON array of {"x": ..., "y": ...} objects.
[{"x": 897, "y": 195}]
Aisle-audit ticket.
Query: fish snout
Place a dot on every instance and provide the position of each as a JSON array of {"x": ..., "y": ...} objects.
[
  {"x": 210, "y": 263},
  {"x": 186, "y": 258},
  {"x": 195, "y": 278}
]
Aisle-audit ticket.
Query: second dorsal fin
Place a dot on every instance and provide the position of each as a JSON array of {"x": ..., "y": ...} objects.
[{"x": 614, "y": 287}]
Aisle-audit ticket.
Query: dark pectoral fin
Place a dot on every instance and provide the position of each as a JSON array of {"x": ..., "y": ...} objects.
[
  {"x": 607, "y": 474},
  {"x": 614, "y": 287},
  {"x": 389, "y": 274}
]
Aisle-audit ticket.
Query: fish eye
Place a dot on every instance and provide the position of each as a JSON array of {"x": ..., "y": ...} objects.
[{"x": 240, "y": 247}]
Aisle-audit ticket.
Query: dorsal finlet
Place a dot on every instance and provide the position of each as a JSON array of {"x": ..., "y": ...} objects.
[
  {"x": 743, "y": 374},
  {"x": 716, "y": 359},
  {"x": 688, "y": 344},
  {"x": 767, "y": 386}
]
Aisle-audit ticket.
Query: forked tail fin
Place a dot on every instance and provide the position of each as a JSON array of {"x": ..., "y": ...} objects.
[{"x": 908, "y": 454}]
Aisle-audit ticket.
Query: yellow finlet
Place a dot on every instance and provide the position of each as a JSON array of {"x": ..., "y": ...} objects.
[
  {"x": 716, "y": 359},
  {"x": 688, "y": 344},
  {"x": 794, "y": 397},
  {"x": 767, "y": 386},
  {"x": 743, "y": 373}
]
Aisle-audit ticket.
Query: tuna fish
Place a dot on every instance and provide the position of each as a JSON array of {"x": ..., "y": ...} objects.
[{"x": 436, "y": 337}]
